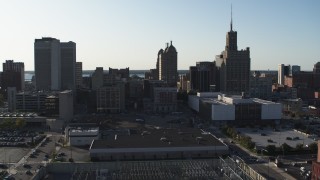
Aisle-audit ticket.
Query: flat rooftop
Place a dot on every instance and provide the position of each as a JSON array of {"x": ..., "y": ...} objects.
[{"x": 156, "y": 138}]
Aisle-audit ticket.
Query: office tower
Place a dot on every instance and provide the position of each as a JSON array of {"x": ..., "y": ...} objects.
[
  {"x": 54, "y": 64},
  {"x": 294, "y": 69},
  {"x": 68, "y": 65},
  {"x": 47, "y": 64},
  {"x": 283, "y": 70},
  {"x": 12, "y": 75},
  {"x": 78, "y": 74},
  {"x": 202, "y": 76},
  {"x": 234, "y": 65},
  {"x": 168, "y": 65}
]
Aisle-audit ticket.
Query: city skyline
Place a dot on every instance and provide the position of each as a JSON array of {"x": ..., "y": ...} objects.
[{"x": 120, "y": 34}]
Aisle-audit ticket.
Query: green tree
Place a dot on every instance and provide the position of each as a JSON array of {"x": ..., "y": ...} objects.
[
  {"x": 1, "y": 100},
  {"x": 20, "y": 123},
  {"x": 299, "y": 147},
  {"x": 8, "y": 123},
  {"x": 271, "y": 149},
  {"x": 313, "y": 147},
  {"x": 285, "y": 148}
]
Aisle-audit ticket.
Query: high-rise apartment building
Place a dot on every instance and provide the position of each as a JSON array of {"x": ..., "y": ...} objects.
[
  {"x": 234, "y": 66},
  {"x": 54, "y": 64},
  {"x": 12, "y": 75},
  {"x": 167, "y": 62},
  {"x": 78, "y": 74}
]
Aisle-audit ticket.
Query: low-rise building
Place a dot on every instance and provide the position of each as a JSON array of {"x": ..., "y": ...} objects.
[
  {"x": 158, "y": 144},
  {"x": 219, "y": 107},
  {"x": 82, "y": 134}
]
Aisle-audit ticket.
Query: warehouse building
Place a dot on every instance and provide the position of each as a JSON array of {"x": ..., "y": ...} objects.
[{"x": 158, "y": 144}]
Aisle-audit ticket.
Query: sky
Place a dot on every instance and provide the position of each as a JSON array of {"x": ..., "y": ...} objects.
[{"x": 129, "y": 33}]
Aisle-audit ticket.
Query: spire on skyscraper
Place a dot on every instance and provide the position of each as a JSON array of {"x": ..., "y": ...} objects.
[{"x": 231, "y": 20}]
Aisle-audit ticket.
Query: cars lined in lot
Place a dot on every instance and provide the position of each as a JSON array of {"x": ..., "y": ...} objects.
[{"x": 18, "y": 138}]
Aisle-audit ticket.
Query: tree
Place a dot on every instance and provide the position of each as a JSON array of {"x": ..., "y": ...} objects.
[
  {"x": 20, "y": 123},
  {"x": 271, "y": 149},
  {"x": 313, "y": 147},
  {"x": 1, "y": 100},
  {"x": 299, "y": 147},
  {"x": 8, "y": 123},
  {"x": 285, "y": 148}
]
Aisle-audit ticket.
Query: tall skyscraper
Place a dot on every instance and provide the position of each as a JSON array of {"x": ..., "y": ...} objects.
[
  {"x": 12, "y": 75},
  {"x": 47, "y": 64},
  {"x": 68, "y": 65},
  {"x": 167, "y": 61},
  {"x": 78, "y": 74},
  {"x": 234, "y": 65},
  {"x": 54, "y": 64}
]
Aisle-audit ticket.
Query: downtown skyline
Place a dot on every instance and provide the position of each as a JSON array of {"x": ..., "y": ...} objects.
[{"x": 130, "y": 33}]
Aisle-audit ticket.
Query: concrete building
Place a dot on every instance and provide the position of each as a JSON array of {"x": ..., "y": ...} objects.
[
  {"x": 158, "y": 145},
  {"x": 54, "y": 63},
  {"x": 12, "y": 92},
  {"x": 316, "y": 165},
  {"x": 184, "y": 83},
  {"x": 316, "y": 76},
  {"x": 68, "y": 65},
  {"x": 165, "y": 99},
  {"x": 97, "y": 78},
  {"x": 111, "y": 99},
  {"x": 12, "y": 75},
  {"x": 168, "y": 68},
  {"x": 260, "y": 86},
  {"x": 81, "y": 135},
  {"x": 47, "y": 64},
  {"x": 31, "y": 101},
  {"x": 292, "y": 105},
  {"x": 203, "y": 75},
  {"x": 52, "y": 105},
  {"x": 158, "y": 97},
  {"x": 122, "y": 73},
  {"x": 66, "y": 105},
  {"x": 79, "y": 74},
  {"x": 234, "y": 66},
  {"x": 237, "y": 109},
  {"x": 283, "y": 70}
]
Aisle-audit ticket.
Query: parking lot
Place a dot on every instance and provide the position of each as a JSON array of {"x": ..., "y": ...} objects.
[
  {"x": 18, "y": 138},
  {"x": 268, "y": 136}
]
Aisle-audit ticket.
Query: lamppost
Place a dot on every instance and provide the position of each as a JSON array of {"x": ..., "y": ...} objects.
[{"x": 268, "y": 159}]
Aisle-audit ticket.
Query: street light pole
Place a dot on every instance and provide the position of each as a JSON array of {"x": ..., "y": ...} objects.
[{"x": 268, "y": 160}]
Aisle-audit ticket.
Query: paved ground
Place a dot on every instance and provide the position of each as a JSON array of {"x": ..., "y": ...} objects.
[{"x": 261, "y": 137}]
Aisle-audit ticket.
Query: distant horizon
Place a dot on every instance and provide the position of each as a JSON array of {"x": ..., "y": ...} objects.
[
  {"x": 149, "y": 70},
  {"x": 130, "y": 33}
]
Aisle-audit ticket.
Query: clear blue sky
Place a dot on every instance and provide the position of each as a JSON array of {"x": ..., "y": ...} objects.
[{"x": 129, "y": 33}]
